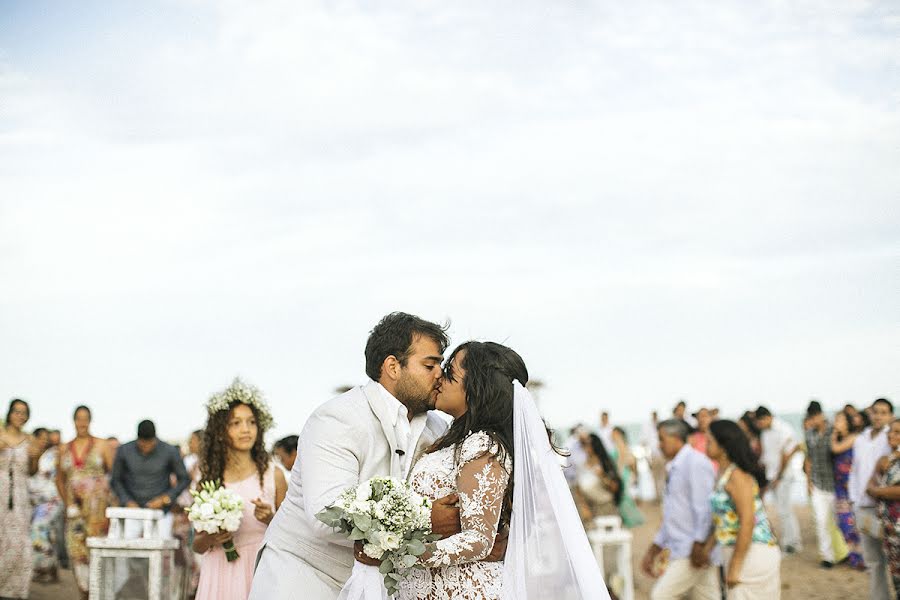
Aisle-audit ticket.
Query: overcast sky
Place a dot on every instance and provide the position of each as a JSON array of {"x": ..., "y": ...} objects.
[{"x": 649, "y": 201}]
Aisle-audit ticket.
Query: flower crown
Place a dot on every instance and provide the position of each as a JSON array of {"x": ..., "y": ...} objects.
[{"x": 244, "y": 393}]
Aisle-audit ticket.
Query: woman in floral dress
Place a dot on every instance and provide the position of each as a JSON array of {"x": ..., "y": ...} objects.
[
  {"x": 842, "y": 436},
  {"x": 81, "y": 480},
  {"x": 18, "y": 460},
  {"x": 47, "y": 511},
  {"x": 885, "y": 488}
]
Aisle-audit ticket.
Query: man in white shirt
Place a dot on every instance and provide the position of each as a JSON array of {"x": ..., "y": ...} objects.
[
  {"x": 605, "y": 432},
  {"x": 779, "y": 444},
  {"x": 870, "y": 446}
]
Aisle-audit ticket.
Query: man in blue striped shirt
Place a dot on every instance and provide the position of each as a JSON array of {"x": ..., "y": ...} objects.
[{"x": 686, "y": 523}]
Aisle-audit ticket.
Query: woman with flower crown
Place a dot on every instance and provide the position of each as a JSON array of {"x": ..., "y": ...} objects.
[{"x": 233, "y": 454}]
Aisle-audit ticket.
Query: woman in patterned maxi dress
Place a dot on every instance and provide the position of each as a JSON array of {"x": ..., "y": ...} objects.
[
  {"x": 18, "y": 460},
  {"x": 81, "y": 479}
]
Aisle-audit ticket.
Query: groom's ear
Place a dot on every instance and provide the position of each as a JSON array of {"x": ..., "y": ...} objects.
[{"x": 390, "y": 368}]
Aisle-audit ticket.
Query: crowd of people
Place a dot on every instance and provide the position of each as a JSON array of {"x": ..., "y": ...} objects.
[
  {"x": 710, "y": 474},
  {"x": 54, "y": 495}
]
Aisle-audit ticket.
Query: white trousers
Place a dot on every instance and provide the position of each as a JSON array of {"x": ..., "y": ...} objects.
[
  {"x": 823, "y": 516},
  {"x": 681, "y": 580},
  {"x": 760, "y": 577},
  {"x": 873, "y": 555},
  {"x": 790, "y": 528}
]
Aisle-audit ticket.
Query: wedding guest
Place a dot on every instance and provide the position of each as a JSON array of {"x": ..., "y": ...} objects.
[
  {"x": 778, "y": 448},
  {"x": 868, "y": 448},
  {"x": 686, "y": 522},
  {"x": 47, "y": 511},
  {"x": 679, "y": 412},
  {"x": 650, "y": 441},
  {"x": 626, "y": 466},
  {"x": 192, "y": 458},
  {"x": 698, "y": 438},
  {"x": 820, "y": 479},
  {"x": 884, "y": 487},
  {"x": 751, "y": 556},
  {"x": 577, "y": 456},
  {"x": 285, "y": 450},
  {"x": 843, "y": 436},
  {"x": 606, "y": 431},
  {"x": 599, "y": 485},
  {"x": 54, "y": 439},
  {"x": 142, "y": 477},
  {"x": 233, "y": 452},
  {"x": 186, "y": 558},
  {"x": 81, "y": 480},
  {"x": 747, "y": 423},
  {"x": 18, "y": 461}
]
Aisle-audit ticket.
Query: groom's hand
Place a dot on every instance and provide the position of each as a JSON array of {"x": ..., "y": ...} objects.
[
  {"x": 445, "y": 516},
  {"x": 498, "y": 552}
]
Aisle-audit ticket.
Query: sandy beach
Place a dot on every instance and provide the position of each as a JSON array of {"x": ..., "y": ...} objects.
[{"x": 801, "y": 576}]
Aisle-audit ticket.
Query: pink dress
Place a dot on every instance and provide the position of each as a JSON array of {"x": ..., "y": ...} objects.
[{"x": 223, "y": 580}]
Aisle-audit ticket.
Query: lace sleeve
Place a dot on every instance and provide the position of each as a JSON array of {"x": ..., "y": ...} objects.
[{"x": 481, "y": 482}]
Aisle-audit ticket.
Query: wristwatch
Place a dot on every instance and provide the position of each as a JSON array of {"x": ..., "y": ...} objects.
[{"x": 166, "y": 501}]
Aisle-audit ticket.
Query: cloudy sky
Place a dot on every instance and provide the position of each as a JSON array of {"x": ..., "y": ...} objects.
[{"x": 648, "y": 201}]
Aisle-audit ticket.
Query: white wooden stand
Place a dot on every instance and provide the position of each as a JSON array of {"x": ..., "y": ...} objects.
[
  {"x": 608, "y": 532},
  {"x": 157, "y": 582}
]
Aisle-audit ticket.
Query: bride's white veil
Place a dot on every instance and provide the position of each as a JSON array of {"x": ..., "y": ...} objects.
[{"x": 548, "y": 555}]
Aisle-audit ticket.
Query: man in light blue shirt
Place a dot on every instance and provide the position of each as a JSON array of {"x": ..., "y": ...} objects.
[{"x": 687, "y": 521}]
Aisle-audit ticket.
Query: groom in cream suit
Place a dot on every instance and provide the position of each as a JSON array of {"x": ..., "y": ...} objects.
[{"x": 377, "y": 429}]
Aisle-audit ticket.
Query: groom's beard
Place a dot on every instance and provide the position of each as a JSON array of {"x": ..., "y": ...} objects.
[{"x": 416, "y": 400}]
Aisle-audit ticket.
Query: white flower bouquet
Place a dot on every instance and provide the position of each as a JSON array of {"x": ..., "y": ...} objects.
[
  {"x": 217, "y": 509},
  {"x": 391, "y": 521}
]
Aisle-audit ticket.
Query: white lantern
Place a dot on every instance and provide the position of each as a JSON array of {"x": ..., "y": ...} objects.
[{"x": 133, "y": 569}]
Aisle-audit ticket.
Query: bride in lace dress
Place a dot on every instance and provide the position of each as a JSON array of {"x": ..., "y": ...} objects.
[{"x": 473, "y": 460}]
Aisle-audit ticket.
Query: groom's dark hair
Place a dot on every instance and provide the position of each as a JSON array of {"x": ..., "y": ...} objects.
[{"x": 394, "y": 335}]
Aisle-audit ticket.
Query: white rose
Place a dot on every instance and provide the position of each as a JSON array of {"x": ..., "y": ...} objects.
[
  {"x": 231, "y": 522},
  {"x": 360, "y": 507},
  {"x": 363, "y": 491},
  {"x": 389, "y": 540},
  {"x": 206, "y": 510},
  {"x": 373, "y": 551}
]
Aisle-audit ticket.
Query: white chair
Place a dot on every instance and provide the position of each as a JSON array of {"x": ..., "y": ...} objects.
[
  {"x": 608, "y": 531},
  {"x": 133, "y": 568}
]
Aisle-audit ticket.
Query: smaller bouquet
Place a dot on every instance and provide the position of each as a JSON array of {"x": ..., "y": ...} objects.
[
  {"x": 216, "y": 509},
  {"x": 391, "y": 520}
]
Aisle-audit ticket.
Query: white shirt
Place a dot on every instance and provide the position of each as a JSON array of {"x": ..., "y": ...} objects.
[
  {"x": 606, "y": 436},
  {"x": 776, "y": 440},
  {"x": 866, "y": 452},
  {"x": 406, "y": 432},
  {"x": 650, "y": 438}
]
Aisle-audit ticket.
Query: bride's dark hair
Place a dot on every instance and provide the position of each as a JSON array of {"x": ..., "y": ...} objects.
[{"x": 490, "y": 370}]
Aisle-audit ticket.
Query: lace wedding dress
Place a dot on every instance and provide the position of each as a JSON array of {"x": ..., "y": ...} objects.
[{"x": 453, "y": 567}]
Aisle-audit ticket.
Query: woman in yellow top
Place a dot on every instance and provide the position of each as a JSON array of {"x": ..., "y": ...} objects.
[{"x": 750, "y": 551}]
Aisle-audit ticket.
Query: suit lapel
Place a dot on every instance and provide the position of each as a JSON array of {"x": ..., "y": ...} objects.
[{"x": 379, "y": 409}]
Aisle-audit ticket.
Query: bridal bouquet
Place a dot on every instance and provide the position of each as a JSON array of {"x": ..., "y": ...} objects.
[
  {"x": 391, "y": 520},
  {"x": 216, "y": 509}
]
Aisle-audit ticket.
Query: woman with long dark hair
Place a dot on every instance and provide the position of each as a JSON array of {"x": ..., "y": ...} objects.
[
  {"x": 232, "y": 453},
  {"x": 495, "y": 425},
  {"x": 741, "y": 527},
  {"x": 842, "y": 437},
  {"x": 18, "y": 460},
  {"x": 598, "y": 481}
]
